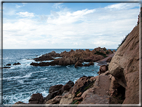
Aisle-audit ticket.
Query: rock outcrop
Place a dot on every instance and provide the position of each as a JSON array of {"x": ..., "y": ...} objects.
[
  {"x": 124, "y": 66},
  {"x": 73, "y": 57}
]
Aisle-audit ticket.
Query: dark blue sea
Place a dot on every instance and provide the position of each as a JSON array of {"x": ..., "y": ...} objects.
[{"x": 21, "y": 81}]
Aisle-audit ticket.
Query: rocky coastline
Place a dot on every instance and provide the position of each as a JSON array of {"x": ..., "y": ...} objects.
[{"x": 117, "y": 81}]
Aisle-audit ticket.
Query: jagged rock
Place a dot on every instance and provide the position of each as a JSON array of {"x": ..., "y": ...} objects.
[
  {"x": 70, "y": 83},
  {"x": 43, "y": 58},
  {"x": 36, "y": 99},
  {"x": 66, "y": 87},
  {"x": 55, "y": 88},
  {"x": 67, "y": 99},
  {"x": 81, "y": 85},
  {"x": 17, "y": 63},
  {"x": 52, "y": 95},
  {"x": 55, "y": 100},
  {"x": 78, "y": 63}
]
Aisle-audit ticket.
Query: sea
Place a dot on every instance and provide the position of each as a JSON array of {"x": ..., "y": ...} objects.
[{"x": 21, "y": 81}]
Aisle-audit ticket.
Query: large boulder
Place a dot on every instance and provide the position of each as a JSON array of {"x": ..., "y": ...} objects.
[
  {"x": 53, "y": 95},
  {"x": 70, "y": 83},
  {"x": 81, "y": 85},
  {"x": 36, "y": 99},
  {"x": 103, "y": 69},
  {"x": 55, "y": 88},
  {"x": 124, "y": 66}
]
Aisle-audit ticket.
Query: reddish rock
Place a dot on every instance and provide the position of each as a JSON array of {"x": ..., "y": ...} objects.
[
  {"x": 70, "y": 83},
  {"x": 55, "y": 88},
  {"x": 81, "y": 85},
  {"x": 55, "y": 100},
  {"x": 124, "y": 66},
  {"x": 103, "y": 69},
  {"x": 36, "y": 99},
  {"x": 66, "y": 87},
  {"x": 52, "y": 95},
  {"x": 91, "y": 63},
  {"x": 78, "y": 63},
  {"x": 109, "y": 59},
  {"x": 43, "y": 58}
]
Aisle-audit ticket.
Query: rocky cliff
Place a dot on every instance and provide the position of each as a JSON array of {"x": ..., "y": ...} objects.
[{"x": 124, "y": 66}]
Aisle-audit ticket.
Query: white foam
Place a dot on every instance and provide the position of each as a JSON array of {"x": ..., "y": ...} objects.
[
  {"x": 17, "y": 77},
  {"x": 28, "y": 75},
  {"x": 20, "y": 81},
  {"x": 44, "y": 93}
]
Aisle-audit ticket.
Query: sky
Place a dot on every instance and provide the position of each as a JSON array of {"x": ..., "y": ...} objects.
[{"x": 67, "y": 25}]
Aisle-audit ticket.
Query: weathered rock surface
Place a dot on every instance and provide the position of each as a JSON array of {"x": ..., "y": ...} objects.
[
  {"x": 55, "y": 88},
  {"x": 103, "y": 69},
  {"x": 48, "y": 56},
  {"x": 55, "y": 100},
  {"x": 124, "y": 66},
  {"x": 73, "y": 57},
  {"x": 36, "y": 99}
]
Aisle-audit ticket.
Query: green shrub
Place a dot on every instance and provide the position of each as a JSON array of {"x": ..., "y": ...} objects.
[{"x": 100, "y": 53}]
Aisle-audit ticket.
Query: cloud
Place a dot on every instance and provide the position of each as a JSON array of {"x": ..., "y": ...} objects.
[
  {"x": 25, "y": 14},
  {"x": 58, "y": 5},
  {"x": 122, "y": 6},
  {"x": 66, "y": 17},
  {"x": 18, "y": 6},
  {"x": 86, "y": 28}
]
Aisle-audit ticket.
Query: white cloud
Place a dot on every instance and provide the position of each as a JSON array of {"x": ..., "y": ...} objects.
[
  {"x": 122, "y": 6},
  {"x": 18, "y": 6},
  {"x": 66, "y": 17},
  {"x": 25, "y": 14},
  {"x": 77, "y": 29},
  {"x": 57, "y": 5}
]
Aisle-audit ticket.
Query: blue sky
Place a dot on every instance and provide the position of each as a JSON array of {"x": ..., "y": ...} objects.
[{"x": 67, "y": 25}]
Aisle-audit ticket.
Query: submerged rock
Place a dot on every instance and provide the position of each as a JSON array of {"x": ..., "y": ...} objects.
[
  {"x": 17, "y": 63},
  {"x": 8, "y": 64}
]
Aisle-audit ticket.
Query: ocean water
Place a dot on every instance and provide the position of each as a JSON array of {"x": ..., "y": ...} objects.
[{"x": 21, "y": 81}]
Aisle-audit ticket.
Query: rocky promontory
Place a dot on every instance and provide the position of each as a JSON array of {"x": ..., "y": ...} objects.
[{"x": 76, "y": 57}]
